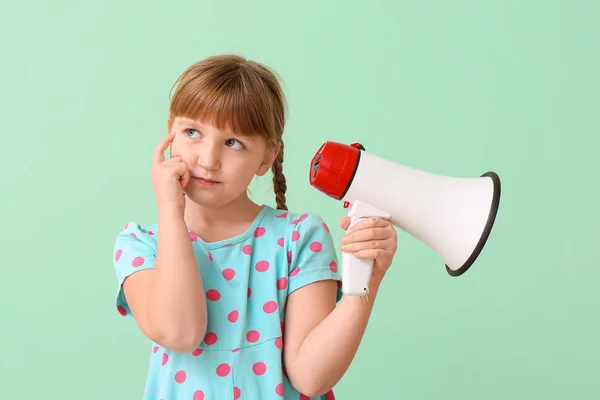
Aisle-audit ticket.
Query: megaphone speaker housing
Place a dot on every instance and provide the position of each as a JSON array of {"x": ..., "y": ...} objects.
[{"x": 454, "y": 216}]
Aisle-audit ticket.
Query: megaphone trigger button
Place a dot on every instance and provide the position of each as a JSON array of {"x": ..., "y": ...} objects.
[
  {"x": 346, "y": 204},
  {"x": 365, "y": 297}
]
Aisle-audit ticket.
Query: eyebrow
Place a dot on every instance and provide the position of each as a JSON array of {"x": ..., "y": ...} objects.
[{"x": 189, "y": 122}]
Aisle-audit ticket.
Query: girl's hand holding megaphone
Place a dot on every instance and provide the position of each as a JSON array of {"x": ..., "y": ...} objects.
[{"x": 371, "y": 238}]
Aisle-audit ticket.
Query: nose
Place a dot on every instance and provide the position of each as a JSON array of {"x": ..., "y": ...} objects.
[{"x": 208, "y": 157}]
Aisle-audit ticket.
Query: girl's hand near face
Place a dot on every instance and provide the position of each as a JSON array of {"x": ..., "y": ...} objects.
[{"x": 169, "y": 177}]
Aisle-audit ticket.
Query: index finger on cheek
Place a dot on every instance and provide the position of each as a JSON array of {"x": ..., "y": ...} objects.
[{"x": 162, "y": 146}]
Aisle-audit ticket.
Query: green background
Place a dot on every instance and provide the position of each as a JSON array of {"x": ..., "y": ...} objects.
[{"x": 452, "y": 87}]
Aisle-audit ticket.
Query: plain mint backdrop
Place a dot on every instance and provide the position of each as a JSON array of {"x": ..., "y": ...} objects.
[{"x": 452, "y": 87}]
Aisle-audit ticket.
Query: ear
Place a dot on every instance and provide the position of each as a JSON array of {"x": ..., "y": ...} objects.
[{"x": 268, "y": 161}]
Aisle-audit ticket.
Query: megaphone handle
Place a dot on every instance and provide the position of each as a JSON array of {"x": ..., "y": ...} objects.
[{"x": 356, "y": 272}]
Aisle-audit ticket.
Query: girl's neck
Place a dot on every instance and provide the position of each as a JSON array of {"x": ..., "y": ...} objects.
[{"x": 215, "y": 224}]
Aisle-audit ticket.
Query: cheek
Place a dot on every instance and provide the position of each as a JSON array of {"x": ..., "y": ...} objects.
[
  {"x": 243, "y": 170},
  {"x": 177, "y": 148}
]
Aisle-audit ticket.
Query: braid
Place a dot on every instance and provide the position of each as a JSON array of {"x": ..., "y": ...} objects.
[{"x": 279, "y": 184}]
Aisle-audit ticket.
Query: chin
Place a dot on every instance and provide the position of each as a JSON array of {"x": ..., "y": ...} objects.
[
  {"x": 205, "y": 201},
  {"x": 209, "y": 200}
]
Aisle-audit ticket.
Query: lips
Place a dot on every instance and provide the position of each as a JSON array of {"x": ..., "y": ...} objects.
[{"x": 204, "y": 180}]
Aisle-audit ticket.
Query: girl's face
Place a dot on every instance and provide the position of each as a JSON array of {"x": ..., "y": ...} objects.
[{"x": 221, "y": 163}]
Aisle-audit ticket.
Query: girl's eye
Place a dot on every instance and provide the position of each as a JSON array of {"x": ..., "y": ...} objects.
[
  {"x": 187, "y": 131},
  {"x": 234, "y": 142}
]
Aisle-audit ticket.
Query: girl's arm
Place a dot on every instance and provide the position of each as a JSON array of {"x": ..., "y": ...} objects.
[
  {"x": 168, "y": 301},
  {"x": 321, "y": 339}
]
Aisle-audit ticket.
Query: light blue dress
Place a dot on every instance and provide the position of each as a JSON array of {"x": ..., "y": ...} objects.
[{"x": 246, "y": 280}]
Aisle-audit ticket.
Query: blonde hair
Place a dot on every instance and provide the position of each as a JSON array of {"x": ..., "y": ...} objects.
[{"x": 231, "y": 92}]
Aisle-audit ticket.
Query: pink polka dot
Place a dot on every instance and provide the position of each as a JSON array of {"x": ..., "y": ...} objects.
[
  {"x": 228, "y": 273},
  {"x": 259, "y": 231},
  {"x": 316, "y": 246},
  {"x": 127, "y": 225},
  {"x": 197, "y": 352},
  {"x": 280, "y": 242},
  {"x": 235, "y": 350},
  {"x": 295, "y": 271},
  {"x": 279, "y": 342},
  {"x": 294, "y": 222},
  {"x": 284, "y": 215},
  {"x": 133, "y": 235},
  {"x": 253, "y": 336},
  {"x": 333, "y": 266},
  {"x": 180, "y": 376},
  {"x": 137, "y": 262},
  {"x": 150, "y": 233},
  {"x": 270, "y": 307},
  {"x": 247, "y": 249},
  {"x": 210, "y": 257},
  {"x": 303, "y": 217},
  {"x": 236, "y": 393},
  {"x": 295, "y": 236},
  {"x": 213, "y": 295},
  {"x": 210, "y": 338},
  {"x": 198, "y": 395},
  {"x": 259, "y": 368},
  {"x": 279, "y": 389},
  {"x": 193, "y": 236},
  {"x": 249, "y": 292},
  {"x": 122, "y": 310},
  {"x": 289, "y": 257},
  {"x": 118, "y": 254},
  {"x": 154, "y": 349},
  {"x": 282, "y": 283},
  {"x": 227, "y": 245},
  {"x": 325, "y": 227},
  {"x": 165, "y": 358},
  {"x": 233, "y": 316},
  {"x": 223, "y": 370},
  {"x": 262, "y": 266}
]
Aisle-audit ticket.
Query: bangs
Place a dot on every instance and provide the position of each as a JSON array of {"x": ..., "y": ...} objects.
[{"x": 229, "y": 100}]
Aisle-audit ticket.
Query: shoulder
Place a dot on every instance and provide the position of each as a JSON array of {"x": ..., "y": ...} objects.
[
  {"x": 297, "y": 220},
  {"x": 134, "y": 234},
  {"x": 134, "y": 249}
]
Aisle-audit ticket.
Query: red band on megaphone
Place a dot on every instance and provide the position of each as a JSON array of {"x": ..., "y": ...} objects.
[{"x": 333, "y": 167}]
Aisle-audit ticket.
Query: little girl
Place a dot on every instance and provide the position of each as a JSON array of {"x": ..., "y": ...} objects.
[{"x": 240, "y": 300}]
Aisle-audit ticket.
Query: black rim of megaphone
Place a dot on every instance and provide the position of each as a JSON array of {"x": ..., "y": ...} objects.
[{"x": 486, "y": 231}]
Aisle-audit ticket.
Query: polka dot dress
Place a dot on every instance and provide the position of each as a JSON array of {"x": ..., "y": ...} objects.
[{"x": 246, "y": 280}]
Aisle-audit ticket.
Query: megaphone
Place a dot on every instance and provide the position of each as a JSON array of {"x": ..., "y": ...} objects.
[{"x": 453, "y": 216}]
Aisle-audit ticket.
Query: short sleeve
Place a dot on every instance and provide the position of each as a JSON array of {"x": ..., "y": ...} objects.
[
  {"x": 134, "y": 250},
  {"x": 312, "y": 254}
]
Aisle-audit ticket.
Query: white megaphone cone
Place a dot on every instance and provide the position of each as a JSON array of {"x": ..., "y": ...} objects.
[{"x": 453, "y": 216}]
